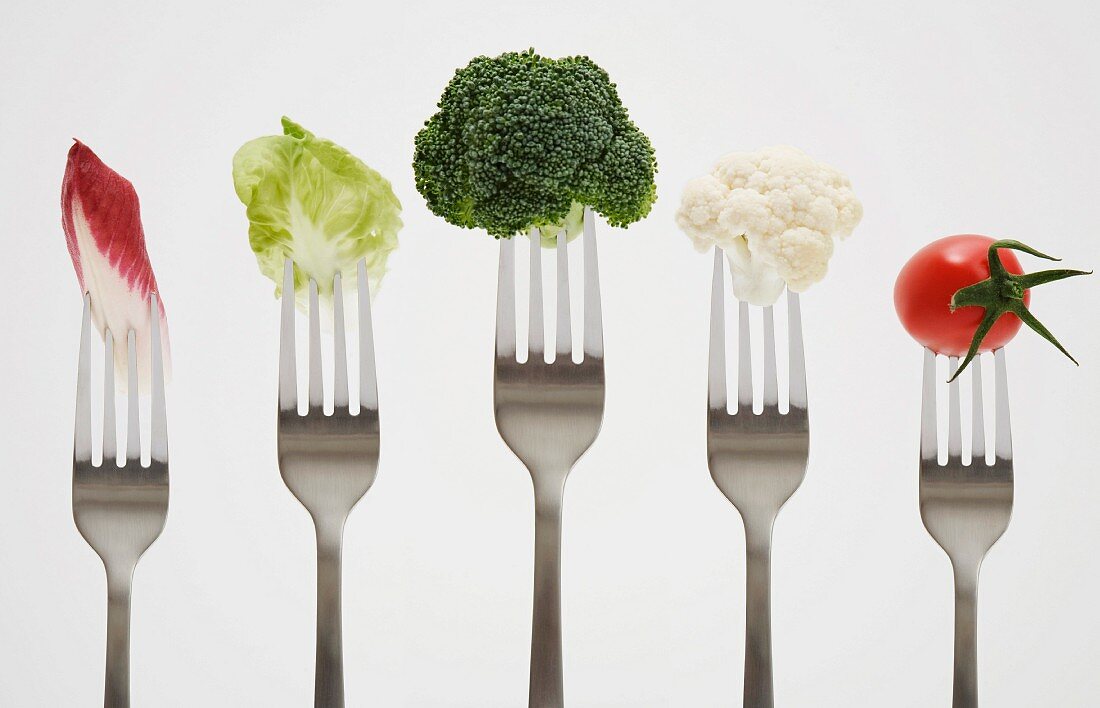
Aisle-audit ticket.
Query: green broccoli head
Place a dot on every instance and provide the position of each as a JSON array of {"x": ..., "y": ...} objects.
[{"x": 522, "y": 141}]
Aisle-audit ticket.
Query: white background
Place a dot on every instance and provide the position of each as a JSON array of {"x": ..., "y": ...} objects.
[{"x": 948, "y": 117}]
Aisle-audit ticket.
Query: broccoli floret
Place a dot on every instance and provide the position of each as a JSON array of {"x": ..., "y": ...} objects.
[{"x": 520, "y": 140}]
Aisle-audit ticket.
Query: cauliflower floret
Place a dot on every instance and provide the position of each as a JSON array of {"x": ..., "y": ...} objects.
[
  {"x": 699, "y": 211},
  {"x": 775, "y": 212},
  {"x": 801, "y": 257}
]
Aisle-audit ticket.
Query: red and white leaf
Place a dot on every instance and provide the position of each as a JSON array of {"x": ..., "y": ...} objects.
[{"x": 102, "y": 222}]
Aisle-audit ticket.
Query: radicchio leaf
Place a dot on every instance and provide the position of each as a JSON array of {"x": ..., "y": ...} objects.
[{"x": 102, "y": 223}]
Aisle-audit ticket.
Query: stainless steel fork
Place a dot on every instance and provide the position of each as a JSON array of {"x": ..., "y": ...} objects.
[
  {"x": 119, "y": 510},
  {"x": 549, "y": 415},
  {"x": 757, "y": 460},
  {"x": 328, "y": 461},
  {"x": 965, "y": 506}
]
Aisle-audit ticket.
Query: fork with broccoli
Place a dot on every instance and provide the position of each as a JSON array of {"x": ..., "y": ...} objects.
[{"x": 522, "y": 144}]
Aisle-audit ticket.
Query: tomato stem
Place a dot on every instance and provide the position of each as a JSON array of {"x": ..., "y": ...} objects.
[{"x": 1003, "y": 292}]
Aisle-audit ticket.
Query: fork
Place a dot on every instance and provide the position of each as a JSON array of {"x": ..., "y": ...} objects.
[
  {"x": 328, "y": 461},
  {"x": 757, "y": 460},
  {"x": 119, "y": 510},
  {"x": 965, "y": 507},
  {"x": 548, "y": 415}
]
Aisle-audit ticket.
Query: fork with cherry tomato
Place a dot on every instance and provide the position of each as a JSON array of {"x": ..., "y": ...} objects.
[{"x": 961, "y": 296}]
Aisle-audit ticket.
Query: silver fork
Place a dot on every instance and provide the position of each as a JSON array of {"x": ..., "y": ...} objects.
[
  {"x": 757, "y": 460},
  {"x": 328, "y": 461},
  {"x": 965, "y": 507},
  {"x": 549, "y": 415},
  {"x": 119, "y": 511}
]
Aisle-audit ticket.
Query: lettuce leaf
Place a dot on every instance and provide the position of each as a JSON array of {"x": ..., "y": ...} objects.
[{"x": 312, "y": 201}]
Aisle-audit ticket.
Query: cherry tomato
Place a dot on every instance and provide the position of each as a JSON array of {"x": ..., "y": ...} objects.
[{"x": 922, "y": 295}]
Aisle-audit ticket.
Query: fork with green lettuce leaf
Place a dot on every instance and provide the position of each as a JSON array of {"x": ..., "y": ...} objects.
[{"x": 319, "y": 218}]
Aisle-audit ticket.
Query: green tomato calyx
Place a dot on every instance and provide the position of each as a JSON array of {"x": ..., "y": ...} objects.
[{"x": 1003, "y": 292}]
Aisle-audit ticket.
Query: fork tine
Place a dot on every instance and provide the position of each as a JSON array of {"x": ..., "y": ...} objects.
[
  {"x": 977, "y": 446},
  {"x": 771, "y": 384},
  {"x": 717, "y": 392},
  {"x": 316, "y": 393},
  {"x": 340, "y": 394},
  {"x": 564, "y": 348},
  {"x": 928, "y": 431},
  {"x": 744, "y": 358},
  {"x": 536, "y": 333},
  {"x": 110, "y": 432},
  {"x": 506, "y": 300},
  {"x": 158, "y": 428},
  {"x": 82, "y": 435},
  {"x": 368, "y": 379},
  {"x": 954, "y": 422},
  {"x": 593, "y": 310},
  {"x": 133, "y": 428},
  {"x": 1003, "y": 447},
  {"x": 797, "y": 353},
  {"x": 288, "y": 378}
]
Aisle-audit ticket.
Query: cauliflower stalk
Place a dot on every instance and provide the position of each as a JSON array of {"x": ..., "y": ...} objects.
[{"x": 775, "y": 213}]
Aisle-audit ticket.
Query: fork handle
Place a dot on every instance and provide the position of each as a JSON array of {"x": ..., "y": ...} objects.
[
  {"x": 546, "y": 683},
  {"x": 758, "y": 615},
  {"x": 116, "y": 683},
  {"x": 328, "y": 691},
  {"x": 965, "y": 691}
]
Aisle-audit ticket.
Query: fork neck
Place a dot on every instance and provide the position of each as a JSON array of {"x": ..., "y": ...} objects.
[
  {"x": 758, "y": 527},
  {"x": 549, "y": 488},
  {"x": 329, "y": 674},
  {"x": 116, "y": 688},
  {"x": 965, "y": 684},
  {"x": 966, "y": 574},
  {"x": 546, "y": 682},
  {"x": 120, "y": 576},
  {"x": 330, "y": 533}
]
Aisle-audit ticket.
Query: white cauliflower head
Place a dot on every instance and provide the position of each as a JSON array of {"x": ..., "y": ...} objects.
[{"x": 775, "y": 212}]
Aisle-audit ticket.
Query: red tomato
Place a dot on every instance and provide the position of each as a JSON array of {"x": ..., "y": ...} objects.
[{"x": 922, "y": 295}]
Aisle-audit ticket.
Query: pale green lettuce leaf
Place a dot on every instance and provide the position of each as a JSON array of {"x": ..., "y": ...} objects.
[{"x": 310, "y": 200}]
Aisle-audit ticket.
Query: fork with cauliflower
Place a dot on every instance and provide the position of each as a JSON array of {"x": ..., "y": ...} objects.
[{"x": 776, "y": 213}]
